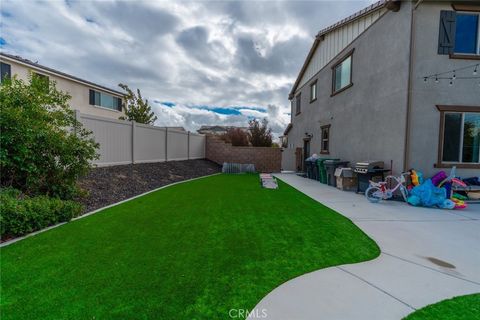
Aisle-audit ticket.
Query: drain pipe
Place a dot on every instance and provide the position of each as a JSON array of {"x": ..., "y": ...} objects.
[{"x": 406, "y": 155}]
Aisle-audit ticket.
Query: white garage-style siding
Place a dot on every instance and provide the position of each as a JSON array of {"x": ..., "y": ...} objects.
[{"x": 337, "y": 40}]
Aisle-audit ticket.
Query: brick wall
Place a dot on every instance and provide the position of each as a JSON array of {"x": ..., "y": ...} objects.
[{"x": 265, "y": 159}]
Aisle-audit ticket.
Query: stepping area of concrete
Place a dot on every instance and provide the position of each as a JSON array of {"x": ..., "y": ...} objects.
[{"x": 427, "y": 255}]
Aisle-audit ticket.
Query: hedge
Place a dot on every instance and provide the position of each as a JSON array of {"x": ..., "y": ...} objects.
[{"x": 21, "y": 214}]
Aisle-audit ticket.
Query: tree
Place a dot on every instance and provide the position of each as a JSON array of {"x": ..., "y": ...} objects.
[
  {"x": 236, "y": 136},
  {"x": 44, "y": 149},
  {"x": 259, "y": 134},
  {"x": 136, "y": 109}
]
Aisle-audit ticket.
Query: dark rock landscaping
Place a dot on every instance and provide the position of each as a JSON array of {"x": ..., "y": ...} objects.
[{"x": 107, "y": 185}]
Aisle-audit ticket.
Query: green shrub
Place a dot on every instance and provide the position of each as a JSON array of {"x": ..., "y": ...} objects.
[
  {"x": 44, "y": 149},
  {"x": 21, "y": 214},
  {"x": 259, "y": 134}
]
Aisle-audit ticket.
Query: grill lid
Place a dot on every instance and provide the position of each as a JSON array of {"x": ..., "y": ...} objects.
[{"x": 368, "y": 166}]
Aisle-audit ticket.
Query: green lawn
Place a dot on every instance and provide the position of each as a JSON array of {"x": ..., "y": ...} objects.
[
  {"x": 458, "y": 308},
  {"x": 191, "y": 251}
]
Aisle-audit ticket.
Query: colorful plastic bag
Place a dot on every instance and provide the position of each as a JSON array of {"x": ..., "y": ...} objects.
[{"x": 427, "y": 195}]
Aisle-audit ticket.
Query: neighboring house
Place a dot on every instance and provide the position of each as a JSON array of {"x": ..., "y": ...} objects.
[
  {"x": 177, "y": 129},
  {"x": 87, "y": 97},
  {"x": 218, "y": 130},
  {"x": 381, "y": 85}
]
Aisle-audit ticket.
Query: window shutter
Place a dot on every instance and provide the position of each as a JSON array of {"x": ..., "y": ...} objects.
[
  {"x": 92, "y": 97},
  {"x": 446, "y": 35}
]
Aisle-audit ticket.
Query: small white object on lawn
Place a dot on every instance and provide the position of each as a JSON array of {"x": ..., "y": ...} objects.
[{"x": 268, "y": 181}]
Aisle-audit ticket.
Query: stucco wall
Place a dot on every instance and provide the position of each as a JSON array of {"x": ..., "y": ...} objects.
[
  {"x": 265, "y": 159},
  {"x": 425, "y": 123},
  {"x": 79, "y": 92},
  {"x": 367, "y": 120}
]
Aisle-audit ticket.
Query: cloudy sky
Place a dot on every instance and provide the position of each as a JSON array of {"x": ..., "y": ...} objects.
[{"x": 198, "y": 62}]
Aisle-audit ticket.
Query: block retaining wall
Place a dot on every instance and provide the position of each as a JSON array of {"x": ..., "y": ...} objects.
[{"x": 265, "y": 159}]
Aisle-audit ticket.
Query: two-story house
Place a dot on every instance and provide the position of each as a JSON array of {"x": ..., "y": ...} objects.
[
  {"x": 398, "y": 81},
  {"x": 87, "y": 97}
]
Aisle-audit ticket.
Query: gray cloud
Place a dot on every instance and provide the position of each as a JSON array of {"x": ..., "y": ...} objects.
[
  {"x": 195, "y": 43},
  {"x": 225, "y": 53},
  {"x": 283, "y": 58},
  {"x": 193, "y": 37}
]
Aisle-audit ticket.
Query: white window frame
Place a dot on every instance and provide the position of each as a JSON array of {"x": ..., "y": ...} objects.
[
  {"x": 460, "y": 155},
  {"x": 478, "y": 33}
]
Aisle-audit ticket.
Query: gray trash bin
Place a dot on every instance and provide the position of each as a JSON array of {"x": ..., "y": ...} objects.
[{"x": 330, "y": 166}]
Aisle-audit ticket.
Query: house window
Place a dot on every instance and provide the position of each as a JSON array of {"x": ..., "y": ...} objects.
[
  {"x": 5, "y": 71},
  {"x": 313, "y": 91},
  {"x": 467, "y": 39},
  {"x": 298, "y": 106},
  {"x": 105, "y": 100},
  {"x": 459, "y": 136},
  {"x": 325, "y": 137},
  {"x": 342, "y": 74}
]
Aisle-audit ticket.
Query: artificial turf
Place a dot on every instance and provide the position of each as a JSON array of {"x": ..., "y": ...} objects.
[
  {"x": 190, "y": 251},
  {"x": 458, "y": 308}
]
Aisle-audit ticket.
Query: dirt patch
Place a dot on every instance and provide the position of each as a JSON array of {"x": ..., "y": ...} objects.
[
  {"x": 109, "y": 185},
  {"x": 441, "y": 263}
]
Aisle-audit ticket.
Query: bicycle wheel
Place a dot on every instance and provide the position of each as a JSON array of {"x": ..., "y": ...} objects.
[{"x": 372, "y": 194}]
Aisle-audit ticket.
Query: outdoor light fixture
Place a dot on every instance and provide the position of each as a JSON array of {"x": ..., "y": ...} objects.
[{"x": 451, "y": 75}]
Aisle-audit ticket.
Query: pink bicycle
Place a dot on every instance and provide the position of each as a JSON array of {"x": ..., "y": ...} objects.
[{"x": 381, "y": 191}]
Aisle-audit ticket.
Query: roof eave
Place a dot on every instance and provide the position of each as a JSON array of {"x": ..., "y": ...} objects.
[
  {"x": 287, "y": 130},
  {"x": 304, "y": 67},
  {"x": 64, "y": 75},
  {"x": 357, "y": 15}
]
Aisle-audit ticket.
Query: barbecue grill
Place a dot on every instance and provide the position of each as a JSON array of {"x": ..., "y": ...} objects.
[{"x": 369, "y": 170}]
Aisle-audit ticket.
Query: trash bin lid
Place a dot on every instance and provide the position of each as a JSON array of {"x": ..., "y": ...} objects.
[
  {"x": 322, "y": 160},
  {"x": 330, "y": 162},
  {"x": 336, "y": 163}
]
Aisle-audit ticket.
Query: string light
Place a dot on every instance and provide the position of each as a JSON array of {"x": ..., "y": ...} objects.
[{"x": 451, "y": 75}]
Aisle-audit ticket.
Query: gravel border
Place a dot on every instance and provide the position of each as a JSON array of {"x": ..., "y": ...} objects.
[{"x": 108, "y": 185}]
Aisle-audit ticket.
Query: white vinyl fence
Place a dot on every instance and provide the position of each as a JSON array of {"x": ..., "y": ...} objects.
[{"x": 125, "y": 142}]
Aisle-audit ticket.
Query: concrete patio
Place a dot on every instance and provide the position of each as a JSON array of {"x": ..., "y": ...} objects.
[{"x": 427, "y": 255}]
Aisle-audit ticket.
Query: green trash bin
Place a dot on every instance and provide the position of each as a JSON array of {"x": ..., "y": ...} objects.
[{"x": 322, "y": 171}]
